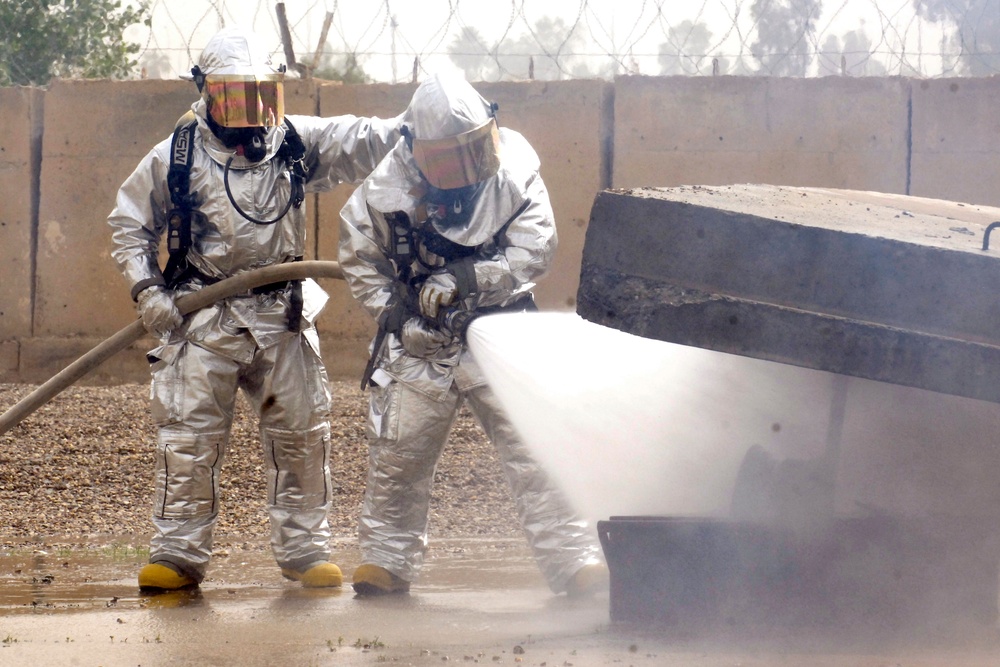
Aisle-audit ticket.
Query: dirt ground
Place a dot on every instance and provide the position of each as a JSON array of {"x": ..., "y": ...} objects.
[{"x": 81, "y": 466}]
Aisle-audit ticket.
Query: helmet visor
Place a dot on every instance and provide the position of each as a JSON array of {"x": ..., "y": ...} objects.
[
  {"x": 245, "y": 100},
  {"x": 462, "y": 160}
]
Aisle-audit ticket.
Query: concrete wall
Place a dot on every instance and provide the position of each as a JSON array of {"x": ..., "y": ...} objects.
[
  {"x": 345, "y": 328},
  {"x": 95, "y": 132},
  {"x": 65, "y": 150},
  {"x": 19, "y": 162},
  {"x": 956, "y": 139},
  {"x": 831, "y": 132}
]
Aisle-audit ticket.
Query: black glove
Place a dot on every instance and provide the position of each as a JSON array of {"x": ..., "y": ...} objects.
[{"x": 393, "y": 317}]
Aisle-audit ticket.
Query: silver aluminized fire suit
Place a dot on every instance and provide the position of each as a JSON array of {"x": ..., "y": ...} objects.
[
  {"x": 416, "y": 397},
  {"x": 243, "y": 342}
]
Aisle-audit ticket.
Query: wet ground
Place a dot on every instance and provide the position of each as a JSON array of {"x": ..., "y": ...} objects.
[{"x": 480, "y": 601}]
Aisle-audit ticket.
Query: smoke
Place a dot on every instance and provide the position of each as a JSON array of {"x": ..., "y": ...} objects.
[{"x": 628, "y": 425}]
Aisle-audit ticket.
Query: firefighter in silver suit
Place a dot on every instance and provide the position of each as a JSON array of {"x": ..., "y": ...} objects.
[
  {"x": 454, "y": 223},
  {"x": 245, "y": 168}
]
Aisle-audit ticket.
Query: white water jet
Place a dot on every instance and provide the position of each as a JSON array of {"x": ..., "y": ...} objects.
[
  {"x": 633, "y": 426},
  {"x": 628, "y": 425}
]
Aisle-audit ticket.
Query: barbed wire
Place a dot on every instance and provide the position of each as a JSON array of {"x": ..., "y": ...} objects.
[{"x": 400, "y": 40}]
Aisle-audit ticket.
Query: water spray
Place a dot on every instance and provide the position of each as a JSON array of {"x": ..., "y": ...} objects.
[{"x": 630, "y": 425}]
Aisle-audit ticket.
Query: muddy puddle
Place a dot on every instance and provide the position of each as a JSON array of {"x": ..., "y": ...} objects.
[
  {"x": 478, "y": 600},
  {"x": 102, "y": 575}
]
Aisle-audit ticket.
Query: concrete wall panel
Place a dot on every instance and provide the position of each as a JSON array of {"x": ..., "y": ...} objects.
[
  {"x": 96, "y": 132},
  {"x": 9, "y": 361},
  {"x": 956, "y": 138},
  {"x": 343, "y": 318},
  {"x": 568, "y": 124},
  {"x": 830, "y": 132},
  {"x": 42, "y": 358},
  {"x": 19, "y": 155},
  {"x": 83, "y": 166}
]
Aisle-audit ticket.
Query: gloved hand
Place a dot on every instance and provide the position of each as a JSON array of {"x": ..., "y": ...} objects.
[
  {"x": 420, "y": 339},
  {"x": 440, "y": 289},
  {"x": 158, "y": 312}
]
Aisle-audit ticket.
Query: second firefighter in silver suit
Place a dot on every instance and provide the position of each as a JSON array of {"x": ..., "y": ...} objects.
[{"x": 455, "y": 222}]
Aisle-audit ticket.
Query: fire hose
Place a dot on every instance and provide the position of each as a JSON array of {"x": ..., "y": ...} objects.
[{"x": 134, "y": 331}]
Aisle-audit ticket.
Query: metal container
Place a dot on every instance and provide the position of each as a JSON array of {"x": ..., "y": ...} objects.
[
  {"x": 872, "y": 575},
  {"x": 689, "y": 572}
]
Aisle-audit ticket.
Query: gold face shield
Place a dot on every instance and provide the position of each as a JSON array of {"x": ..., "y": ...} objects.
[
  {"x": 245, "y": 100},
  {"x": 462, "y": 160}
]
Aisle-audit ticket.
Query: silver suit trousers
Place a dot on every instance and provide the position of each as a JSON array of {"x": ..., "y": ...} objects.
[
  {"x": 193, "y": 398},
  {"x": 407, "y": 431}
]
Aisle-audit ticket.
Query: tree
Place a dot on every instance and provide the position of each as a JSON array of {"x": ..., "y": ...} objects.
[
  {"x": 977, "y": 31},
  {"x": 686, "y": 50},
  {"x": 155, "y": 65},
  {"x": 343, "y": 67},
  {"x": 546, "y": 52},
  {"x": 853, "y": 56},
  {"x": 468, "y": 51},
  {"x": 784, "y": 29},
  {"x": 42, "y": 39}
]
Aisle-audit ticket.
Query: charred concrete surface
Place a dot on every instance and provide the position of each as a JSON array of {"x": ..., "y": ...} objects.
[
  {"x": 895, "y": 298},
  {"x": 884, "y": 287}
]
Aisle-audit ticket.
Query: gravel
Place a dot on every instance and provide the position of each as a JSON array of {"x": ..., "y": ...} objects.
[{"x": 79, "y": 470}]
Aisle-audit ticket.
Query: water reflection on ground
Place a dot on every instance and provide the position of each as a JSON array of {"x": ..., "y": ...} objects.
[
  {"x": 479, "y": 601},
  {"x": 102, "y": 575}
]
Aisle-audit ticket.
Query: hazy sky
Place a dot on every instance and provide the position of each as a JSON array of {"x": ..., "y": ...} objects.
[{"x": 634, "y": 29}]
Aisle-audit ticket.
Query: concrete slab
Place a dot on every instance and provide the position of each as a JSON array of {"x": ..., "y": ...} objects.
[
  {"x": 9, "y": 352},
  {"x": 879, "y": 286}
]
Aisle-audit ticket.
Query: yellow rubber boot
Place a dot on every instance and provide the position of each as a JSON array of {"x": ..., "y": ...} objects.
[
  {"x": 163, "y": 578},
  {"x": 588, "y": 580},
  {"x": 374, "y": 580},
  {"x": 318, "y": 575}
]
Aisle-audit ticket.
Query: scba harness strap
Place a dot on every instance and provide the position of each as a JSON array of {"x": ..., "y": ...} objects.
[
  {"x": 184, "y": 201},
  {"x": 185, "y": 206}
]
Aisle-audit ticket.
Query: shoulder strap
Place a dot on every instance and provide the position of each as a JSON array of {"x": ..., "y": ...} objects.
[
  {"x": 293, "y": 151},
  {"x": 181, "y": 155},
  {"x": 401, "y": 242},
  {"x": 184, "y": 202}
]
